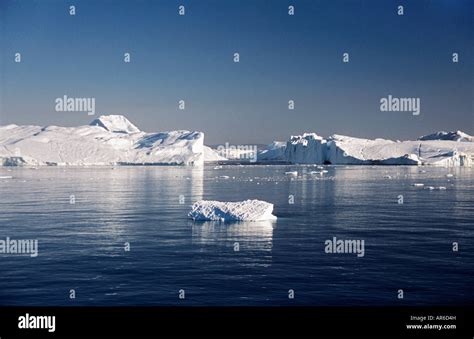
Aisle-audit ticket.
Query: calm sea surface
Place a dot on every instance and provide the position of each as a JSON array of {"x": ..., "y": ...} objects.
[{"x": 408, "y": 246}]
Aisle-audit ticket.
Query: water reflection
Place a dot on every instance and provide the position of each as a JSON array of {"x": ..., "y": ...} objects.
[{"x": 255, "y": 235}]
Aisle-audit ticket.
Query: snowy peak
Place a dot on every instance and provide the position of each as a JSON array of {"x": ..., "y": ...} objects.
[
  {"x": 453, "y": 136},
  {"x": 115, "y": 124}
]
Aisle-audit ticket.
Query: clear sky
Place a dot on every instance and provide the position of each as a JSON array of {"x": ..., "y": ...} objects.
[{"x": 282, "y": 57}]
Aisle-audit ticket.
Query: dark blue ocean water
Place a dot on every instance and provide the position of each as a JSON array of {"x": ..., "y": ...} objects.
[{"x": 81, "y": 245}]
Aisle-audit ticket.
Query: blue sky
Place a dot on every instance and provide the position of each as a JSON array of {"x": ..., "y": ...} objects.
[{"x": 282, "y": 57}]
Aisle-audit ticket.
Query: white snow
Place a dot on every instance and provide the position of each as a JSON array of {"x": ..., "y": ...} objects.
[
  {"x": 109, "y": 140},
  {"x": 115, "y": 123},
  {"x": 454, "y": 136},
  {"x": 248, "y": 210}
]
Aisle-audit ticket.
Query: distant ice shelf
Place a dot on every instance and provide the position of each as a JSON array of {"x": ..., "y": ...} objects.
[{"x": 248, "y": 210}]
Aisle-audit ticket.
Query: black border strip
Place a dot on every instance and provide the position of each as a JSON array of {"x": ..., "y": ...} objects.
[{"x": 237, "y": 321}]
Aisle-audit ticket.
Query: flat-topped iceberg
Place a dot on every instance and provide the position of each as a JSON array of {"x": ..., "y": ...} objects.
[
  {"x": 438, "y": 149},
  {"x": 248, "y": 210},
  {"x": 108, "y": 140}
]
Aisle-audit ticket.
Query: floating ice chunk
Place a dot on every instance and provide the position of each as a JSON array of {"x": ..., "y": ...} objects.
[
  {"x": 224, "y": 177},
  {"x": 418, "y": 185},
  {"x": 429, "y": 188},
  {"x": 248, "y": 210},
  {"x": 442, "y": 188},
  {"x": 292, "y": 173},
  {"x": 449, "y": 175},
  {"x": 6, "y": 177}
]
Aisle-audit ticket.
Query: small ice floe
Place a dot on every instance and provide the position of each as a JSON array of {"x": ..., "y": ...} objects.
[
  {"x": 442, "y": 188},
  {"x": 248, "y": 210},
  {"x": 429, "y": 188},
  {"x": 320, "y": 167},
  {"x": 449, "y": 175},
  {"x": 418, "y": 185},
  {"x": 318, "y": 172},
  {"x": 292, "y": 173},
  {"x": 387, "y": 177},
  {"x": 217, "y": 167},
  {"x": 224, "y": 177},
  {"x": 6, "y": 177}
]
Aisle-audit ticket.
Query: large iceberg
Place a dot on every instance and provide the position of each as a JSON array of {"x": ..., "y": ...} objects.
[
  {"x": 274, "y": 152},
  {"x": 311, "y": 148},
  {"x": 108, "y": 140},
  {"x": 248, "y": 210}
]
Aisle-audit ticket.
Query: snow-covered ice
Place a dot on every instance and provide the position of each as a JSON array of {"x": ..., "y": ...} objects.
[
  {"x": 454, "y": 136},
  {"x": 108, "y": 140},
  {"x": 248, "y": 210},
  {"x": 274, "y": 152},
  {"x": 116, "y": 124},
  {"x": 438, "y": 149}
]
